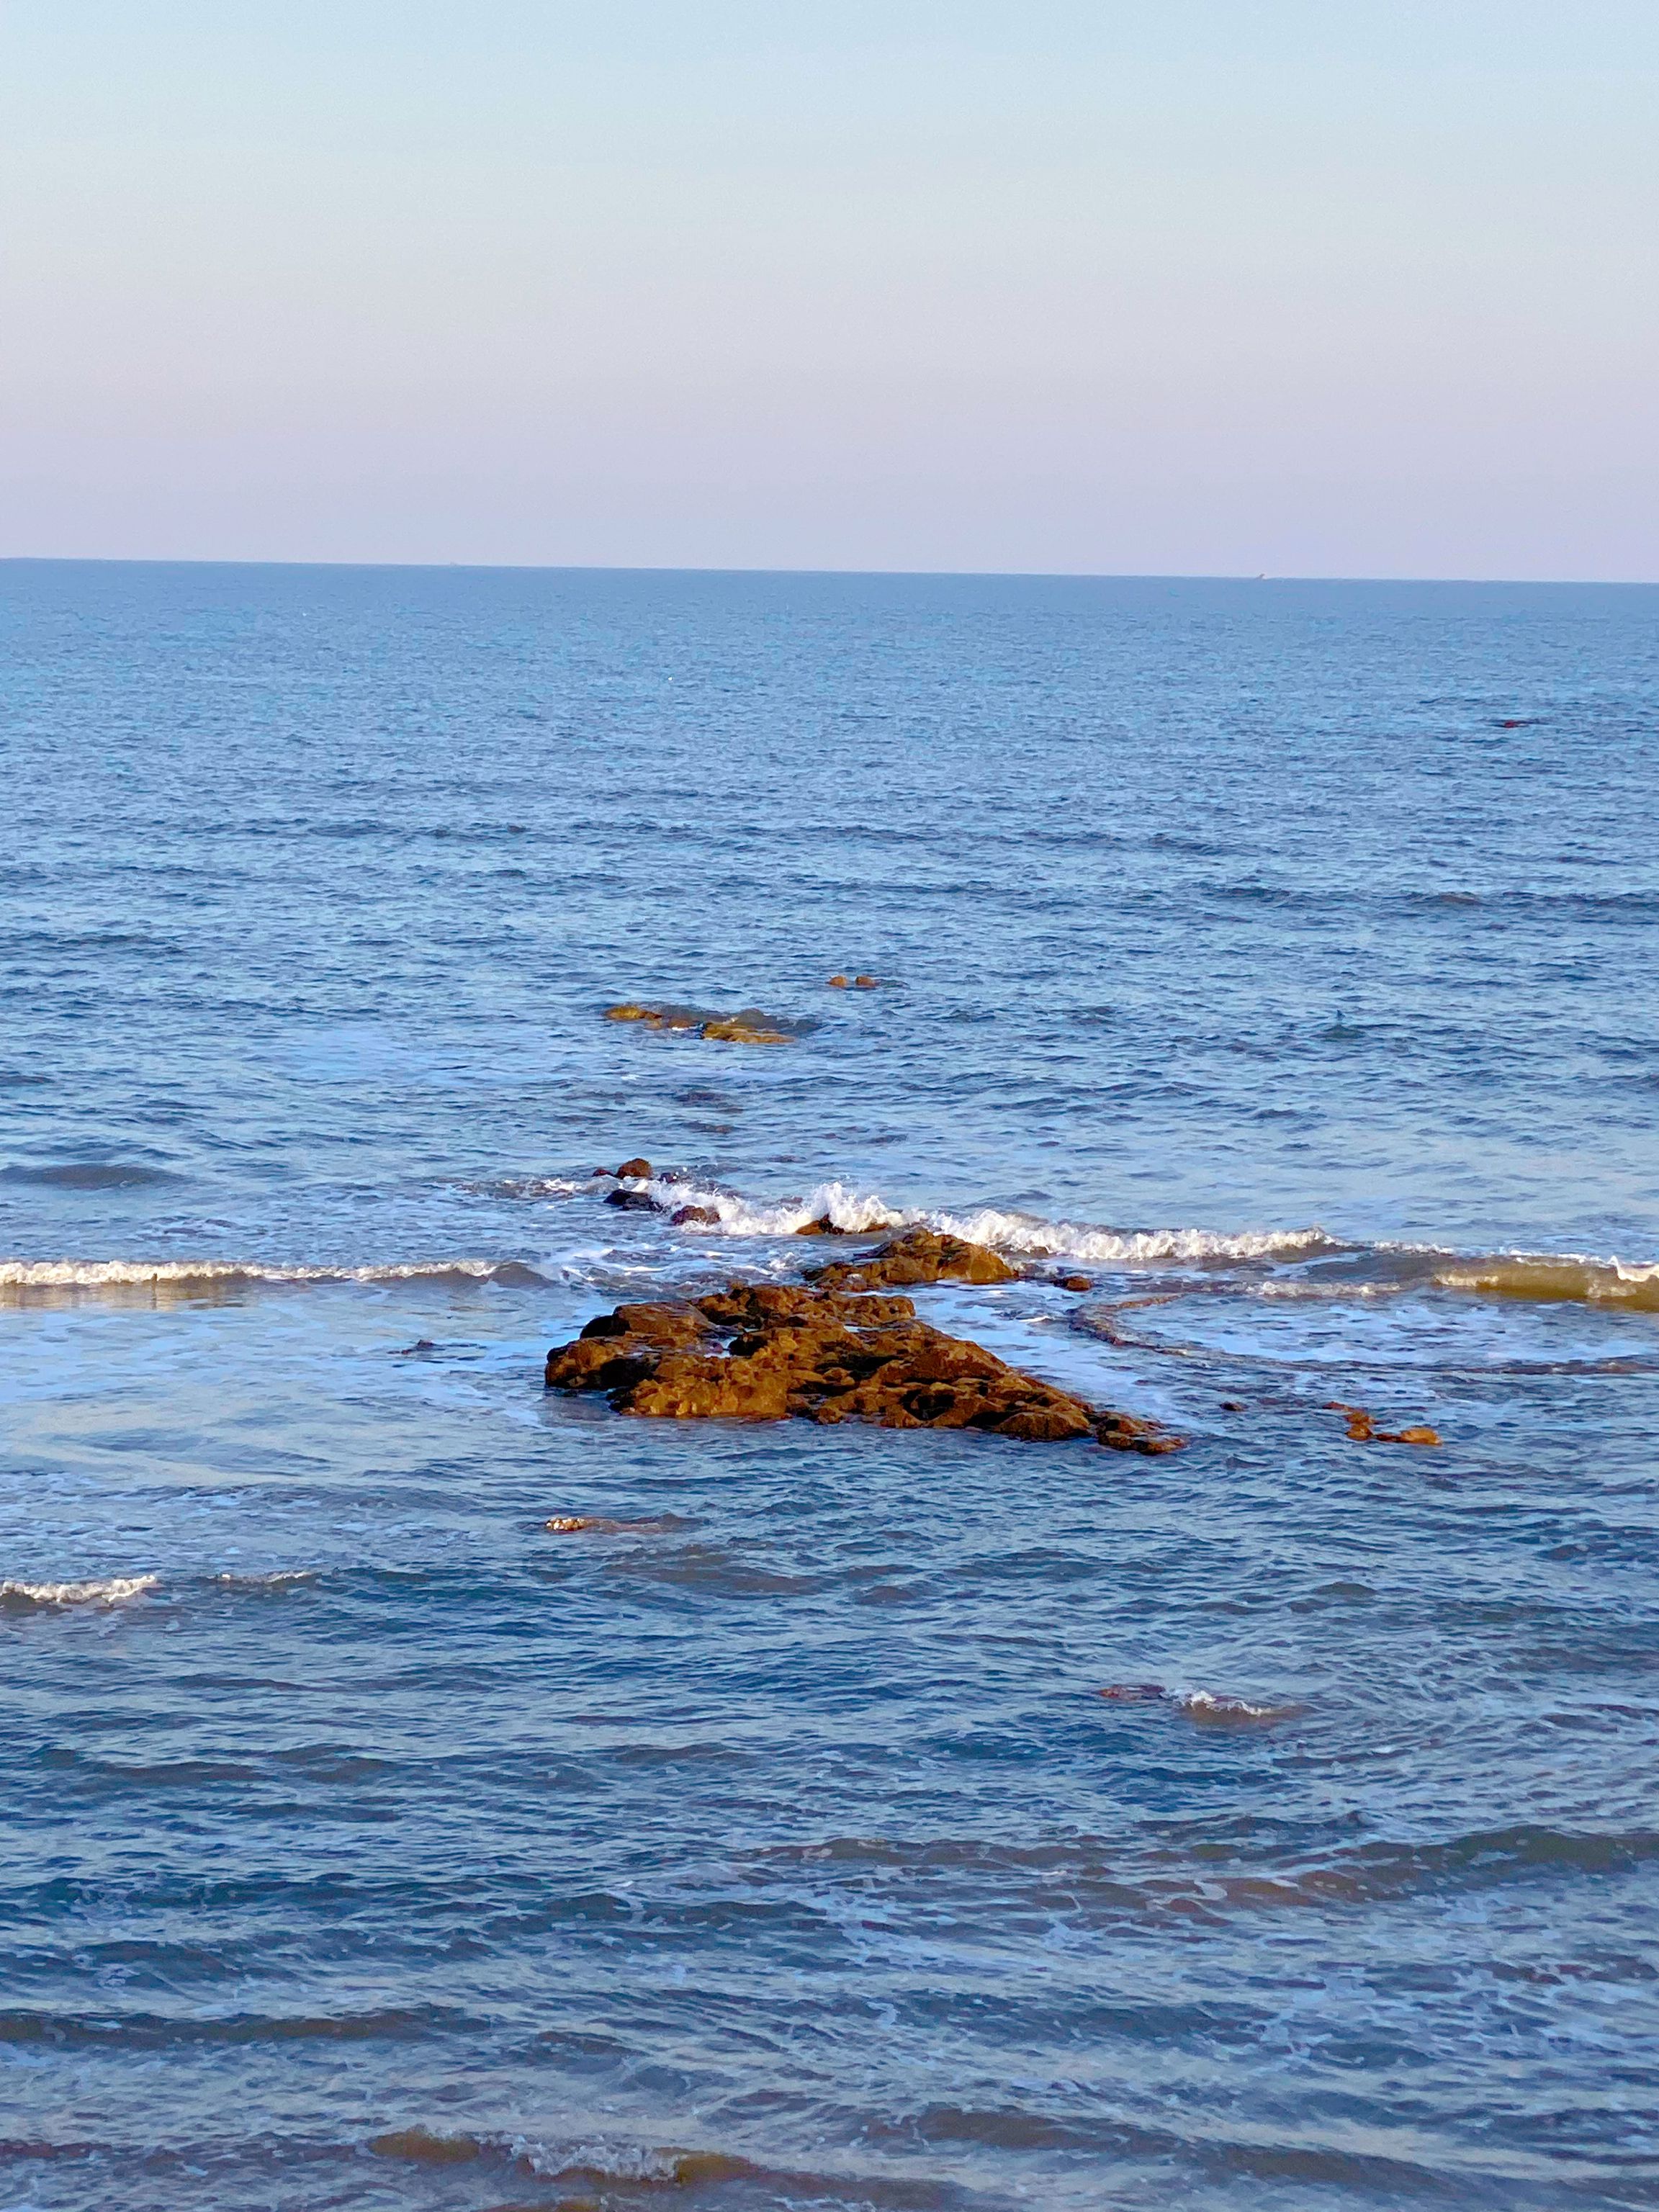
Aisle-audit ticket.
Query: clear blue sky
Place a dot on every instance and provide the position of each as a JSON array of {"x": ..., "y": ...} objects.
[{"x": 1358, "y": 287}]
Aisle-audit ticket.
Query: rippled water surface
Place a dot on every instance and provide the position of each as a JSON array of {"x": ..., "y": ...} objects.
[{"x": 1283, "y": 960}]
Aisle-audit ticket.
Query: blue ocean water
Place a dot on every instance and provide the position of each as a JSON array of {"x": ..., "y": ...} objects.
[{"x": 1284, "y": 957}]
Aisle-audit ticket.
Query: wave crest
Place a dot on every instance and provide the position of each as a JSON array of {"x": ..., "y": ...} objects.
[
  {"x": 857, "y": 1213},
  {"x": 42, "y": 1595},
  {"x": 1554, "y": 1278}
]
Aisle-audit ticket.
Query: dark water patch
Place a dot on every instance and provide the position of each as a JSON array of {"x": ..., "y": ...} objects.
[
  {"x": 151, "y": 2031},
  {"x": 89, "y": 1175}
]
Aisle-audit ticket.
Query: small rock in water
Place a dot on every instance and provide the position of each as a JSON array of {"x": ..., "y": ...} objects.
[
  {"x": 822, "y": 1227},
  {"x": 1127, "y": 1693},
  {"x": 838, "y": 983},
  {"x": 1362, "y": 1429},
  {"x": 634, "y": 1201},
  {"x": 920, "y": 1256},
  {"x": 1075, "y": 1282},
  {"x": 695, "y": 1217},
  {"x": 864, "y": 983},
  {"x": 638, "y": 1169},
  {"x": 1232, "y": 1405}
]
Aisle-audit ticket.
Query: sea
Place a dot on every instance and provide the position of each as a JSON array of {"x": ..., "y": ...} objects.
[{"x": 847, "y": 1819}]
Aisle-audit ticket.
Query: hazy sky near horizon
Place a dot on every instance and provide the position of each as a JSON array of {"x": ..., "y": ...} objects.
[{"x": 1179, "y": 286}]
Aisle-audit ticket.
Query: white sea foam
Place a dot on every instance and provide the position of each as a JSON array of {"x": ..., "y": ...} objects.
[
  {"x": 284, "y": 1578},
  {"x": 854, "y": 1211},
  {"x": 111, "y": 1592},
  {"x": 1207, "y": 1705}
]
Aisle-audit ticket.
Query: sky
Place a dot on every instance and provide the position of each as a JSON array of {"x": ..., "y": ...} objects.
[{"x": 1157, "y": 287}]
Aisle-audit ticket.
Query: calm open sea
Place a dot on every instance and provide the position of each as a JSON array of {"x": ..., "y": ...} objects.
[{"x": 1285, "y": 957}]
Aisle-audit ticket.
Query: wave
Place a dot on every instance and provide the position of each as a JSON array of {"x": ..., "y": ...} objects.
[
  {"x": 25, "y": 1275},
  {"x": 87, "y": 1175},
  {"x": 857, "y": 1213},
  {"x": 284, "y": 1578},
  {"x": 1375, "y": 1271},
  {"x": 1205, "y": 1705},
  {"x": 43, "y": 1595},
  {"x": 1552, "y": 1278}
]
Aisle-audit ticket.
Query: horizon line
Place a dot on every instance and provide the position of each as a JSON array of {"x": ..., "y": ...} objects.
[{"x": 921, "y": 575}]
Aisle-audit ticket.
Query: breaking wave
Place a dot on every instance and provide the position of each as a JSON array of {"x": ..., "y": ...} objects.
[
  {"x": 1545, "y": 1276},
  {"x": 857, "y": 1212},
  {"x": 1552, "y": 1278},
  {"x": 113, "y": 1591}
]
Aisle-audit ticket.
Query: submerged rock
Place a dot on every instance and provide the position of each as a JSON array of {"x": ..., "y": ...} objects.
[
  {"x": 920, "y": 1256},
  {"x": 634, "y": 1201},
  {"x": 739, "y": 1030},
  {"x": 748, "y": 1025},
  {"x": 768, "y": 1351}
]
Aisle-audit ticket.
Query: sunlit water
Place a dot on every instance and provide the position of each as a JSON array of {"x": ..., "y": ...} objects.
[{"x": 1281, "y": 957}]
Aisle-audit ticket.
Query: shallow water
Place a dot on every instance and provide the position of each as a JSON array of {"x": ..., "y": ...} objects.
[{"x": 1283, "y": 957}]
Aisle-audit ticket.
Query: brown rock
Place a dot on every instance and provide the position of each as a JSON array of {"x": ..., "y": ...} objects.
[
  {"x": 748, "y": 1025},
  {"x": 642, "y": 1169},
  {"x": 838, "y": 983},
  {"x": 1075, "y": 1282},
  {"x": 660, "y": 1323},
  {"x": 702, "y": 1216},
  {"x": 864, "y": 982},
  {"x": 1362, "y": 1429},
  {"x": 920, "y": 1256},
  {"x": 736, "y": 1031},
  {"x": 765, "y": 1350},
  {"x": 822, "y": 1227}
]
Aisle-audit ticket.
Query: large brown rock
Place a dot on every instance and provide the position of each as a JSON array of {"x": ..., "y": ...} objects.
[
  {"x": 762, "y": 1352},
  {"x": 919, "y": 1255}
]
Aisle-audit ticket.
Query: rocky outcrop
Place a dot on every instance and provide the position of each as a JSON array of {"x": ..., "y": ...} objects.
[
  {"x": 920, "y": 1256},
  {"x": 769, "y": 1351},
  {"x": 747, "y": 1026}
]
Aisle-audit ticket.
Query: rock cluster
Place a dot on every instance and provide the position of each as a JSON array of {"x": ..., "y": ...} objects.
[
  {"x": 1362, "y": 1429},
  {"x": 747, "y": 1026},
  {"x": 766, "y": 1352}
]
